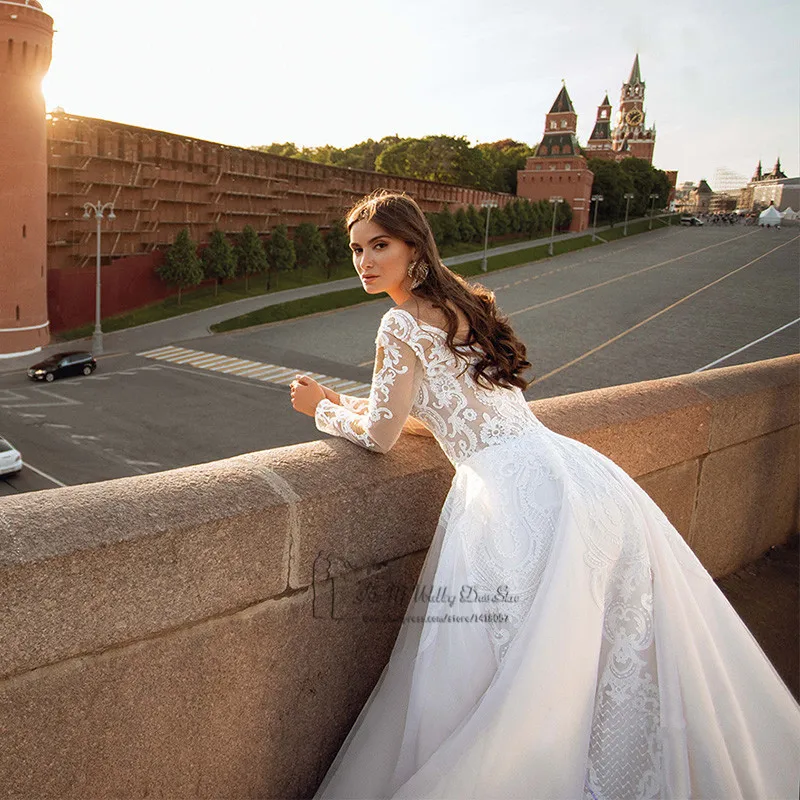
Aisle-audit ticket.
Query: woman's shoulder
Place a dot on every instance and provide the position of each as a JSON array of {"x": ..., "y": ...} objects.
[{"x": 423, "y": 311}]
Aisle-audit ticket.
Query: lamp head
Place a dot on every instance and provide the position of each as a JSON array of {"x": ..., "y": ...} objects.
[
  {"x": 112, "y": 215},
  {"x": 86, "y": 214}
]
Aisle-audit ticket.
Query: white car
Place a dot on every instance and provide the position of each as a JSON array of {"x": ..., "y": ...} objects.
[{"x": 10, "y": 458}]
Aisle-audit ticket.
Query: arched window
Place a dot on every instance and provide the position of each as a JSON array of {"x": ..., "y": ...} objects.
[
  {"x": 24, "y": 54},
  {"x": 24, "y": 231},
  {"x": 10, "y": 49},
  {"x": 553, "y": 124},
  {"x": 563, "y": 123},
  {"x": 17, "y": 313}
]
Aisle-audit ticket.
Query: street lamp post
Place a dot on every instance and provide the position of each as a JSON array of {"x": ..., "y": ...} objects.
[
  {"x": 99, "y": 210},
  {"x": 488, "y": 205},
  {"x": 596, "y": 199},
  {"x": 653, "y": 197},
  {"x": 555, "y": 200},
  {"x": 628, "y": 196}
]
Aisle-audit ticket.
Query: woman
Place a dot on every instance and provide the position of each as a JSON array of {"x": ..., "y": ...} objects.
[{"x": 588, "y": 654}]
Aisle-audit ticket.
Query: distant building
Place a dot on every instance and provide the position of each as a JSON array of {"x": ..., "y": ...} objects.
[
  {"x": 630, "y": 137},
  {"x": 767, "y": 188},
  {"x": 558, "y": 169},
  {"x": 691, "y": 199}
]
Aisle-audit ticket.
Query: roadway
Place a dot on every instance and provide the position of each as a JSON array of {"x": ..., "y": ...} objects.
[{"x": 646, "y": 307}]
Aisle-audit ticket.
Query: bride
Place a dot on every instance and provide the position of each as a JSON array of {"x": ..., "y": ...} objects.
[{"x": 585, "y": 652}]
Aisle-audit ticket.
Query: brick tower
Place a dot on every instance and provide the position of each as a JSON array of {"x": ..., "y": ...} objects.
[
  {"x": 26, "y": 39},
  {"x": 599, "y": 144},
  {"x": 558, "y": 168},
  {"x": 631, "y": 137}
]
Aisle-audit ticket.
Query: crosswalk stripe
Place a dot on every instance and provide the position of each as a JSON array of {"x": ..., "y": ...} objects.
[{"x": 246, "y": 368}]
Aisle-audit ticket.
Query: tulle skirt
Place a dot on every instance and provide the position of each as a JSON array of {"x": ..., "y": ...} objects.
[{"x": 565, "y": 642}]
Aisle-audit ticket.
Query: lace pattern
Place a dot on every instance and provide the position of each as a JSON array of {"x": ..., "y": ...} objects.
[{"x": 417, "y": 374}]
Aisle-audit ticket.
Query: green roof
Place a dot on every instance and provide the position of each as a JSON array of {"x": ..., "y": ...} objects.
[{"x": 563, "y": 103}]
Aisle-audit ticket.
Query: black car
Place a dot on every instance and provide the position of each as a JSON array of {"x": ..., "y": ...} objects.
[{"x": 60, "y": 365}]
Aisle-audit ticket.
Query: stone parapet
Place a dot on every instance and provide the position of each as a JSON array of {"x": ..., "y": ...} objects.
[{"x": 213, "y": 631}]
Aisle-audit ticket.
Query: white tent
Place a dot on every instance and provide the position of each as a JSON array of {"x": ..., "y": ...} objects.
[
  {"x": 770, "y": 218},
  {"x": 789, "y": 214}
]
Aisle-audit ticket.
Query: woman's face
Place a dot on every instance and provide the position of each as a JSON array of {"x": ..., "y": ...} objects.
[{"x": 381, "y": 260}]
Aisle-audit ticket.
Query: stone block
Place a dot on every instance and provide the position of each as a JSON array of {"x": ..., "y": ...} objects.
[
  {"x": 674, "y": 491},
  {"x": 747, "y": 501}
]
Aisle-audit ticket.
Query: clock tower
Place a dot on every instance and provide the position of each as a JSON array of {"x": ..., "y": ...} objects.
[{"x": 631, "y": 137}]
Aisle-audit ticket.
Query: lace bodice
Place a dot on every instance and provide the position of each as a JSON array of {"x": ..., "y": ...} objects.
[{"x": 418, "y": 379}]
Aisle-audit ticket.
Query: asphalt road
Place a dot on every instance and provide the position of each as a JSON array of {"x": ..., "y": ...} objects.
[{"x": 647, "y": 307}]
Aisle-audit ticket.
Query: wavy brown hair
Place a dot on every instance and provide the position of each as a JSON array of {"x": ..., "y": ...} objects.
[{"x": 503, "y": 354}]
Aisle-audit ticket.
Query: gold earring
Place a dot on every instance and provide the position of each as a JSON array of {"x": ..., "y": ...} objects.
[{"x": 417, "y": 271}]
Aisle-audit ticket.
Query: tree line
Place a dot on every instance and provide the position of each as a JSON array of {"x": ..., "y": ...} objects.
[
  {"x": 490, "y": 166},
  {"x": 614, "y": 179},
  {"x": 248, "y": 255}
]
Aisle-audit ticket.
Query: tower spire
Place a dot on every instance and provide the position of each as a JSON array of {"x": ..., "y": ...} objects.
[{"x": 636, "y": 75}]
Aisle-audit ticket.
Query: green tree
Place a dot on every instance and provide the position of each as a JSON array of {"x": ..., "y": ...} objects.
[
  {"x": 181, "y": 266},
  {"x": 504, "y": 159},
  {"x": 466, "y": 231},
  {"x": 280, "y": 253},
  {"x": 309, "y": 247},
  {"x": 449, "y": 227},
  {"x": 219, "y": 260},
  {"x": 337, "y": 243},
  {"x": 250, "y": 255},
  {"x": 612, "y": 183},
  {"x": 436, "y": 227},
  {"x": 477, "y": 221}
]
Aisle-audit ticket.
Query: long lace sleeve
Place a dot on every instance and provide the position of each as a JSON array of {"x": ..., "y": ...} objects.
[
  {"x": 360, "y": 405},
  {"x": 395, "y": 381}
]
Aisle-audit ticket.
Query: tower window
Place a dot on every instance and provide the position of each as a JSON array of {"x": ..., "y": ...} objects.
[
  {"x": 24, "y": 53},
  {"x": 24, "y": 231},
  {"x": 17, "y": 312},
  {"x": 10, "y": 49},
  {"x": 563, "y": 123},
  {"x": 553, "y": 124},
  {"x": 603, "y": 114}
]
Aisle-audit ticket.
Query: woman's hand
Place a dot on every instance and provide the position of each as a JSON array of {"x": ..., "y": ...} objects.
[{"x": 306, "y": 393}]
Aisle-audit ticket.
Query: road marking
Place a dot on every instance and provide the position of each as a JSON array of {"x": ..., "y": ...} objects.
[
  {"x": 561, "y": 269},
  {"x": 623, "y": 277},
  {"x": 43, "y": 474},
  {"x": 84, "y": 436},
  {"x": 63, "y": 401},
  {"x": 241, "y": 367},
  {"x": 750, "y": 344},
  {"x": 657, "y": 314}
]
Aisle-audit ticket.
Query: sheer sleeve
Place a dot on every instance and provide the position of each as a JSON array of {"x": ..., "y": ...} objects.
[
  {"x": 360, "y": 405},
  {"x": 395, "y": 382}
]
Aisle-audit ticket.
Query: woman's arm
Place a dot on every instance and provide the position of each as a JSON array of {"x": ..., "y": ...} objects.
[
  {"x": 360, "y": 404},
  {"x": 391, "y": 396}
]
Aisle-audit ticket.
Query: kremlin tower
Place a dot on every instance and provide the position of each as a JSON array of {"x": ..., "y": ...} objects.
[
  {"x": 26, "y": 38},
  {"x": 559, "y": 169}
]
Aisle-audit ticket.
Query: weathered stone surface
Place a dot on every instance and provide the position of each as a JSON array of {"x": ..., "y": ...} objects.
[
  {"x": 254, "y": 704},
  {"x": 747, "y": 501},
  {"x": 673, "y": 490},
  {"x": 643, "y": 427},
  {"x": 749, "y": 399}
]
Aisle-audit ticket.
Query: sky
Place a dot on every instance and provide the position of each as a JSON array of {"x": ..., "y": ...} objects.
[{"x": 722, "y": 78}]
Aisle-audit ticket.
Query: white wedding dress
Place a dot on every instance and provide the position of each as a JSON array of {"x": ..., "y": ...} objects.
[{"x": 595, "y": 657}]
